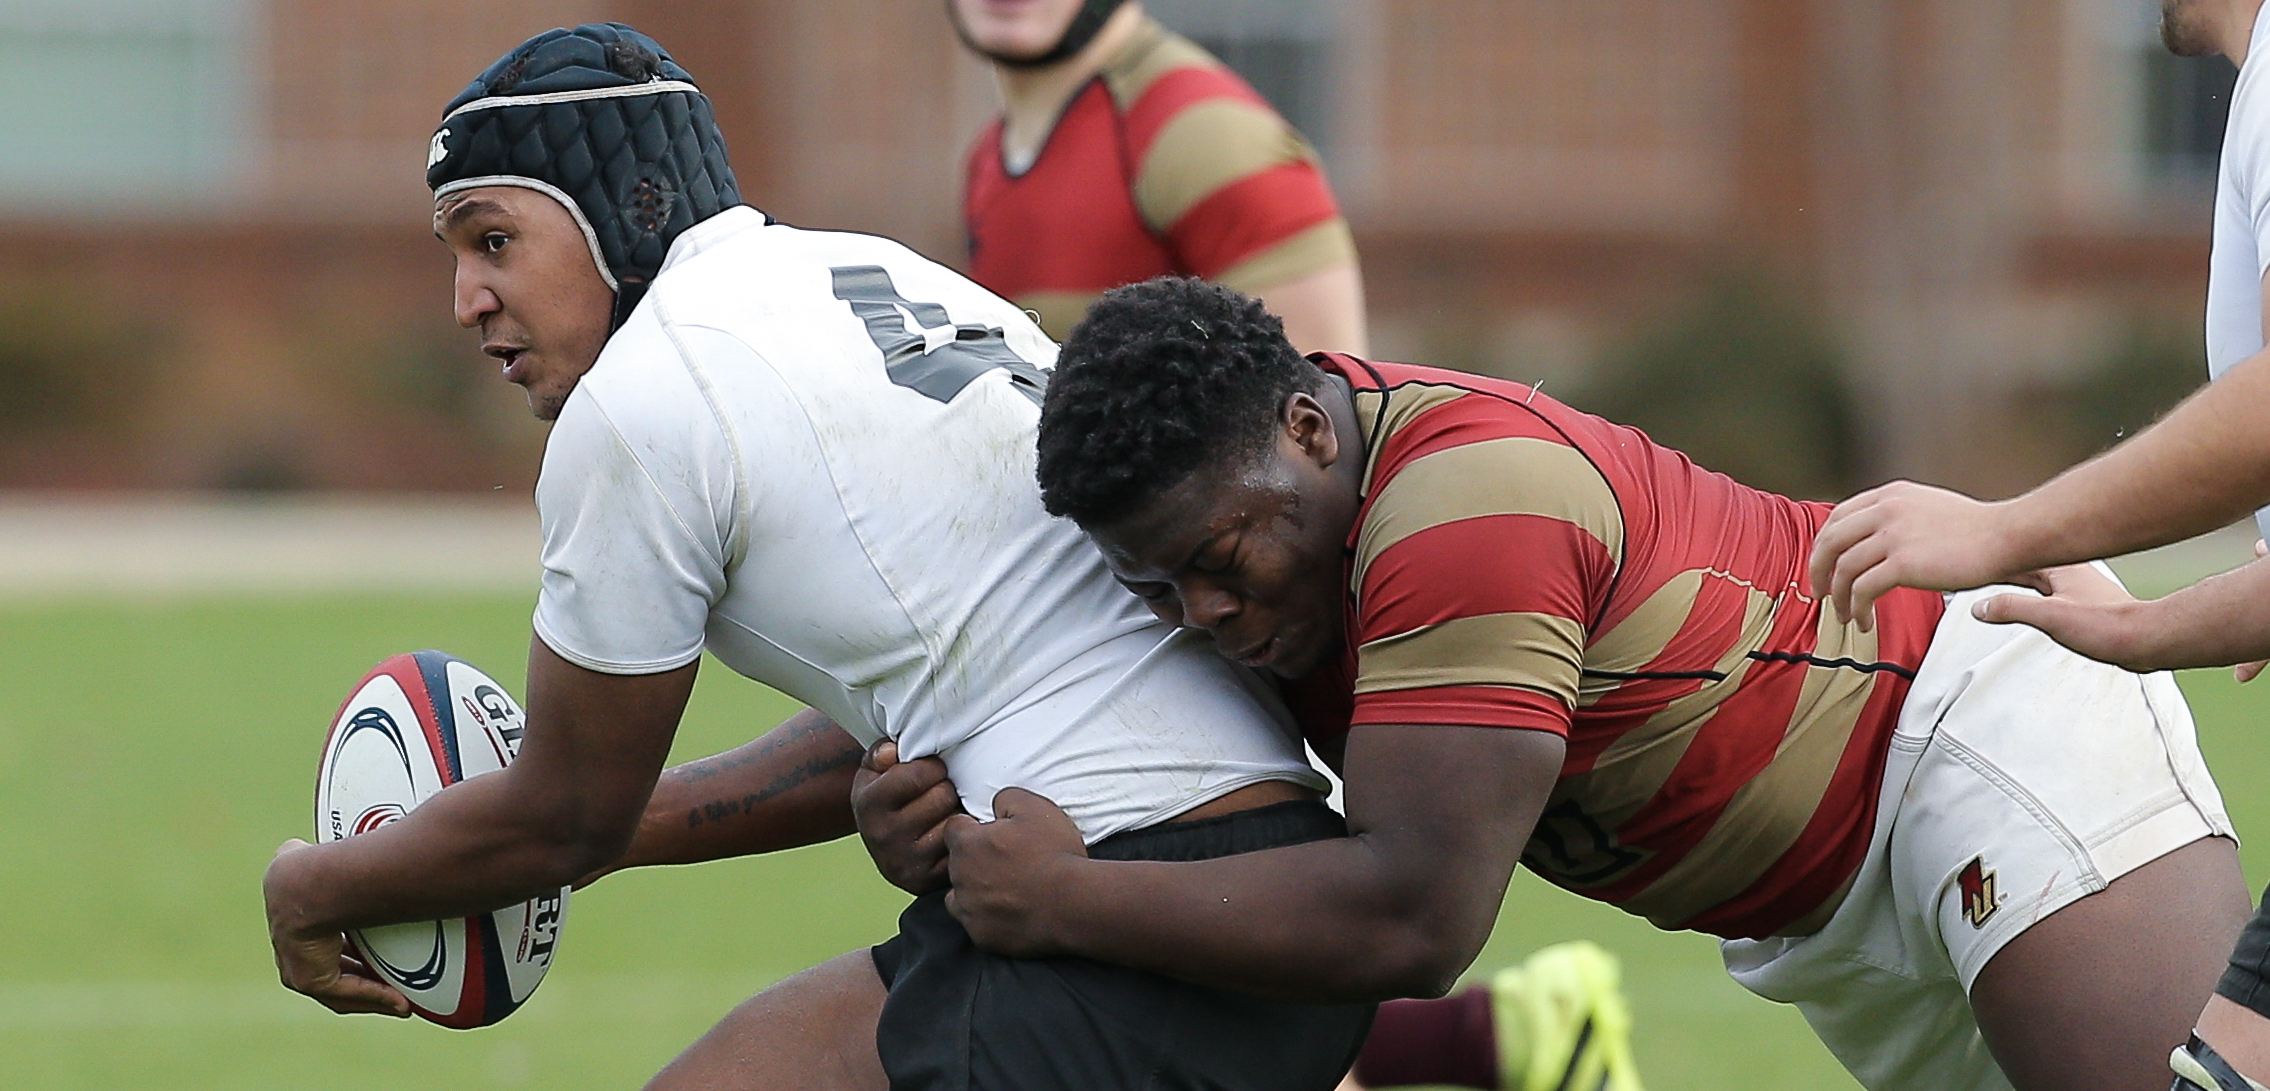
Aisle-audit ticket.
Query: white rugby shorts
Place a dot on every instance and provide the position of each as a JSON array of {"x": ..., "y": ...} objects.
[{"x": 2021, "y": 777}]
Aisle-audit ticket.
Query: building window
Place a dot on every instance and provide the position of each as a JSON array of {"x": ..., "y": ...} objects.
[
  {"x": 140, "y": 105},
  {"x": 1281, "y": 47}
]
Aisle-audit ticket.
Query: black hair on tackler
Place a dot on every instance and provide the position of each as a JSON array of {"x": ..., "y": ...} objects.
[{"x": 602, "y": 120}]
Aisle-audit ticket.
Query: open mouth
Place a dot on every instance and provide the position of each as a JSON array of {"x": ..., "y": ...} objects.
[{"x": 508, "y": 356}]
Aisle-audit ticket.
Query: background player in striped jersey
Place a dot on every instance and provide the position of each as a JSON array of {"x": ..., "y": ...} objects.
[
  {"x": 1123, "y": 152},
  {"x": 1972, "y": 858}
]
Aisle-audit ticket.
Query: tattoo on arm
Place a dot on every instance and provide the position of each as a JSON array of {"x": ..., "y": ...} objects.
[
  {"x": 718, "y": 810},
  {"x": 797, "y": 729}
]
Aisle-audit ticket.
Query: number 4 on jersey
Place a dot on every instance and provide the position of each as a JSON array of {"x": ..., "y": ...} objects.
[{"x": 938, "y": 373}]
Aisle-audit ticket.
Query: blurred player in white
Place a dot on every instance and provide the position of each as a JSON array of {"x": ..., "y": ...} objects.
[
  {"x": 2207, "y": 463},
  {"x": 810, "y": 454}
]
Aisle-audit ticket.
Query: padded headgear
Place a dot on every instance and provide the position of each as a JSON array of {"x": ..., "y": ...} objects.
[
  {"x": 1085, "y": 24},
  {"x": 602, "y": 120}
]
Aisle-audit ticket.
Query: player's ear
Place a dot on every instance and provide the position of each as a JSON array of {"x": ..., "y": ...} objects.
[{"x": 1310, "y": 428}]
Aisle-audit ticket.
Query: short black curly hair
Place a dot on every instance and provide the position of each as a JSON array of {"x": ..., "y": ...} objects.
[{"x": 1162, "y": 379}]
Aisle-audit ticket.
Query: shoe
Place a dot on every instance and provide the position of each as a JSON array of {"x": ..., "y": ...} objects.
[
  {"x": 1562, "y": 1023},
  {"x": 2199, "y": 1068}
]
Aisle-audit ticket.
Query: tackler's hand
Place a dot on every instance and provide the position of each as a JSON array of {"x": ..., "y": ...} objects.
[
  {"x": 1005, "y": 872},
  {"x": 313, "y": 960},
  {"x": 1909, "y": 535},
  {"x": 902, "y": 808}
]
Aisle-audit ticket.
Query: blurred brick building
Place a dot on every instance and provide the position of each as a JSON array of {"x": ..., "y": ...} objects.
[{"x": 215, "y": 266}]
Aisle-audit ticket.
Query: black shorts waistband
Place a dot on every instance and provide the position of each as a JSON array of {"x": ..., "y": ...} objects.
[{"x": 1293, "y": 822}]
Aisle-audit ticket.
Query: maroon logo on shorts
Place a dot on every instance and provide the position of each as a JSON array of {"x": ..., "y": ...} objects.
[{"x": 1980, "y": 899}]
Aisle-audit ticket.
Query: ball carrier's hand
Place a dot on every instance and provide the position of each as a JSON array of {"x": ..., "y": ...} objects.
[
  {"x": 902, "y": 808},
  {"x": 1005, "y": 872},
  {"x": 1908, "y": 535},
  {"x": 314, "y": 961},
  {"x": 567, "y": 806}
]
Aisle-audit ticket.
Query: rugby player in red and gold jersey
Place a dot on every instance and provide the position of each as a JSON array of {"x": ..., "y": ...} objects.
[
  {"x": 1124, "y": 152},
  {"x": 1972, "y": 858}
]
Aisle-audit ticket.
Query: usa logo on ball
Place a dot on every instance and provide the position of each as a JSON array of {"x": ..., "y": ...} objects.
[{"x": 416, "y": 724}]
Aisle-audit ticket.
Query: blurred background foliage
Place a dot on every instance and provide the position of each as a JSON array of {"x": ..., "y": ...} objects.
[
  {"x": 68, "y": 365},
  {"x": 1742, "y": 376}
]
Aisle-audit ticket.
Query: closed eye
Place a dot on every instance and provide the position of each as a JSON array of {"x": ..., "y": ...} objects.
[{"x": 1147, "y": 591}]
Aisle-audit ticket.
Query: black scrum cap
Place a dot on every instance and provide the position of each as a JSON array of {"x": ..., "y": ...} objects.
[{"x": 602, "y": 120}]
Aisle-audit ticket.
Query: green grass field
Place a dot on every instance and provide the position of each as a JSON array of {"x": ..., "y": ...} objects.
[{"x": 151, "y": 758}]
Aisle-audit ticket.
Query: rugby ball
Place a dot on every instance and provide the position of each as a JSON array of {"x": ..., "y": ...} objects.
[{"x": 416, "y": 724}]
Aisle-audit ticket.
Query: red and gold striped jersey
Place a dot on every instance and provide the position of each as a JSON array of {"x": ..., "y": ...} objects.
[
  {"x": 1517, "y": 563},
  {"x": 1166, "y": 162}
]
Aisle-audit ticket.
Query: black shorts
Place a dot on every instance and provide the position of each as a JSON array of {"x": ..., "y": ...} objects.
[{"x": 959, "y": 1019}]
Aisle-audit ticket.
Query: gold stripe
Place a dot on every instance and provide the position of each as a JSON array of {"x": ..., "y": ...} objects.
[
  {"x": 1636, "y": 765},
  {"x": 1534, "y": 651},
  {"x": 1767, "y": 814},
  {"x": 1057, "y": 312},
  {"x": 1516, "y": 475},
  {"x": 1327, "y": 245},
  {"x": 1406, "y": 406},
  {"x": 1208, "y": 145},
  {"x": 1641, "y": 637},
  {"x": 1152, "y": 52}
]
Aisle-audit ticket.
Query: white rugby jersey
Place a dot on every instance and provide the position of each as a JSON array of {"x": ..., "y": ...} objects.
[
  {"x": 812, "y": 453},
  {"x": 2241, "y": 255}
]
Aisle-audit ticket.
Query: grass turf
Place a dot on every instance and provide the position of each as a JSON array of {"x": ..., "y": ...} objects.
[{"x": 151, "y": 757}]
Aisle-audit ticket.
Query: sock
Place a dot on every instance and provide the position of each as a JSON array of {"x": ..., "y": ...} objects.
[
  {"x": 1448, "y": 1041},
  {"x": 2198, "y": 1065},
  {"x": 2246, "y": 981}
]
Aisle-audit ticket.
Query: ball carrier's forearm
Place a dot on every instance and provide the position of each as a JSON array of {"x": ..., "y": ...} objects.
[
  {"x": 2203, "y": 466},
  {"x": 788, "y": 788},
  {"x": 1438, "y": 817},
  {"x": 568, "y": 804}
]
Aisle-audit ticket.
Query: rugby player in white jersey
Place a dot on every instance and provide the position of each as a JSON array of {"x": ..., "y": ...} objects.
[{"x": 810, "y": 454}]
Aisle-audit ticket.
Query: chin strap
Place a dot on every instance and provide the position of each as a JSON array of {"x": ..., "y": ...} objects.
[{"x": 1083, "y": 29}]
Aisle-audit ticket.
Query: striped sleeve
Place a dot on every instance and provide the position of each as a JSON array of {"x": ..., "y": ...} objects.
[
  {"x": 1478, "y": 564},
  {"x": 1237, "y": 194}
]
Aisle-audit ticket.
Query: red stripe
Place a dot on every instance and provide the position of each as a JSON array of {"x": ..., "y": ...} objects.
[
  {"x": 1241, "y": 219},
  {"x": 472, "y": 998},
  {"x": 1504, "y": 564},
  {"x": 1726, "y": 752},
  {"x": 404, "y": 670},
  {"x": 1471, "y": 706},
  {"x": 1712, "y": 625},
  {"x": 1177, "y": 90},
  {"x": 1067, "y": 225},
  {"x": 1835, "y": 839},
  {"x": 1453, "y": 424}
]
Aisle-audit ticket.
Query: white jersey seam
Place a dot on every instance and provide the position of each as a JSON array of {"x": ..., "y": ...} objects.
[
  {"x": 737, "y": 536},
  {"x": 647, "y": 475}
]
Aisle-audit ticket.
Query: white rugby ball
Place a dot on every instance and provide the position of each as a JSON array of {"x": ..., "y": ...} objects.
[{"x": 416, "y": 724}]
